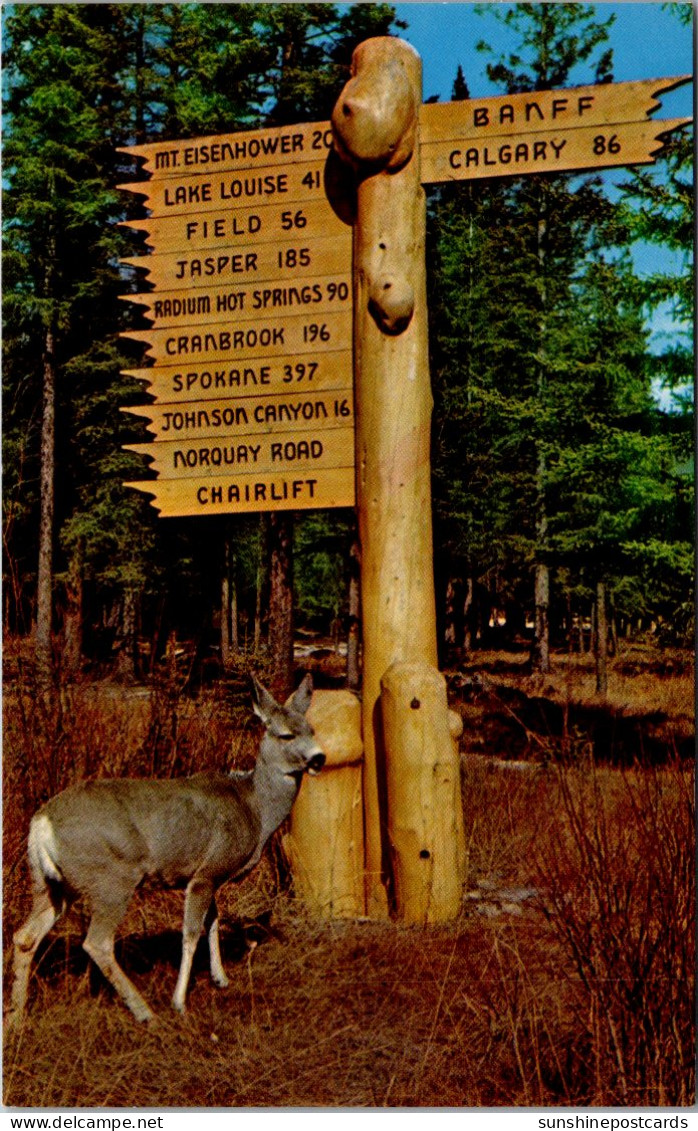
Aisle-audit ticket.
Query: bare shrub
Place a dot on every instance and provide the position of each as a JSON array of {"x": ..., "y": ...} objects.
[{"x": 619, "y": 874}]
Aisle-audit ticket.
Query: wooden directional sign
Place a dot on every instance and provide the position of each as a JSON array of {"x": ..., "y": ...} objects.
[
  {"x": 299, "y": 453},
  {"x": 237, "y": 494},
  {"x": 277, "y": 335},
  {"x": 544, "y": 151},
  {"x": 241, "y": 226},
  {"x": 251, "y": 306},
  {"x": 194, "y": 381},
  {"x": 249, "y": 415},
  {"x": 258, "y": 262},
  {"x": 586, "y": 127},
  {"x": 248, "y": 149},
  {"x": 318, "y": 296},
  {"x": 194, "y": 192}
]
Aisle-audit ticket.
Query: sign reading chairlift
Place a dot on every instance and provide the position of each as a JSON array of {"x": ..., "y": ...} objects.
[{"x": 251, "y": 269}]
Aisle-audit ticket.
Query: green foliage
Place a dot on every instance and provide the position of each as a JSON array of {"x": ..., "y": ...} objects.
[
  {"x": 553, "y": 40},
  {"x": 549, "y": 445},
  {"x": 321, "y": 557},
  {"x": 80, "y": 81},
  {"x": 660, "y": 211}
]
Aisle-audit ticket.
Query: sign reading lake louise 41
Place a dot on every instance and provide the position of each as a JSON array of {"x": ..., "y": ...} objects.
[{"x": 251, "y": 338}]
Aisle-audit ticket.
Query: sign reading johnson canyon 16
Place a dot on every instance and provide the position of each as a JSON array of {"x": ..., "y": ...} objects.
[
  {"x": 251, "y": 306},
  {"x": 251, "y": 325}
]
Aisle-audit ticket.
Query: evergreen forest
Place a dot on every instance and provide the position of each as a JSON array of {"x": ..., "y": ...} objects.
[{"x": 562, "y": 434}]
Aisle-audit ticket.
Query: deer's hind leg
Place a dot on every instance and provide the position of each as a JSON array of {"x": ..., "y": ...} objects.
[
  {"x": 47, "y": 906},
  {"x": 99, "y": 944},
  {"x": 218, "y": 974},
  {"x": 197, "y": 901}
]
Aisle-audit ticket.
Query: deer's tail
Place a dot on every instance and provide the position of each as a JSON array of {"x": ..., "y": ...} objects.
[{"x": 42, "y": 851}]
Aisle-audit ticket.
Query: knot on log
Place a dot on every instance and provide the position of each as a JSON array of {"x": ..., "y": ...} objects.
[
  {"x": 376, "y": 116},
  {"x": 391, "y": 303}
]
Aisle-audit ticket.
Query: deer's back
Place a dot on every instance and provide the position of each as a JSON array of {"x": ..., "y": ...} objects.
[{"x": 166, "y": 830}]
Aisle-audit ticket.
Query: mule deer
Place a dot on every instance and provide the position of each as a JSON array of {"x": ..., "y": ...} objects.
[{"x": 101, "y": 839}]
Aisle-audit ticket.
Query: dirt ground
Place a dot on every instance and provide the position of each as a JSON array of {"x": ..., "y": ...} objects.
[{"x": 567, "y": 979}]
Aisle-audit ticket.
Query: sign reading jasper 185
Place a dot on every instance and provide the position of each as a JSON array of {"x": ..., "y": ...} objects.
[{"x": 251, "y": 307}]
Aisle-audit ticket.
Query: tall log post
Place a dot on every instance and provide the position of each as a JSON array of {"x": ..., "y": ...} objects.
[{"x": 376, "y": 124}]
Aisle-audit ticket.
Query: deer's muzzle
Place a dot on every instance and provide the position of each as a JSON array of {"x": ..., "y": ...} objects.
[{"x": 316, "y": 763}]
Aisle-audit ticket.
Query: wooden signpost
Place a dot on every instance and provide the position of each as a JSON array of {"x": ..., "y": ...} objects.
[
  {"x": 251, "y": 318},
  {"x": 252, "y": 283},
  {"x": 267, "y": 304}
]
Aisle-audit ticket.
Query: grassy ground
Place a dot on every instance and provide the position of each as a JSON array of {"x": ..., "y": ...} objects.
[{"x": 567, "y": 979}]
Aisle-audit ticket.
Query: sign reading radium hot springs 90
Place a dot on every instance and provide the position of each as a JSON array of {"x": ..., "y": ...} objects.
[{"x": 251, "y": 269}]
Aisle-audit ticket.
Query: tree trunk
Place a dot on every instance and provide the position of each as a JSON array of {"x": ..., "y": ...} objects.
[
  {"x": 540, "y": 650},
  {"x": 353, "y": 634},
  {"x": 234, "y": 629},
  {"x": 229, "y": 612},
  {"x": 281, "y": 603},
  {"x": 601, "y": 640},
  {"x": 44, "y": 594},
  {"x": 225, "y": 608},
  {"x": 470, "y": 616},
  {"x": 72, "y": 625},
  {"x": 125, "y": 664},
  {"x": 456, "y": 599},
  {"x": 139, "y": 79},
  {"x": 263, "y": 527},
  {"x": 376, "y": 121},
  {"x": 326, "y": 840},
  {"x": 612, "y": 631},
  {"x": 425, "y": 811}
]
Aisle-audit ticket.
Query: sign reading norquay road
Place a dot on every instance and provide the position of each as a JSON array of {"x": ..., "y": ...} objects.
[{"x": 251, "y": 338}]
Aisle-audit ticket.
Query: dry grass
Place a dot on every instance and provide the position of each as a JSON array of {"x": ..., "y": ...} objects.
[
  {"x": 581, "y": 995},
  {"x": 640, "y": 680}
]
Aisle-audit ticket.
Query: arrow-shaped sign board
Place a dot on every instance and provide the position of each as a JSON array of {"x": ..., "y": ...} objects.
[
  {"x": 173, "y": 163},
  {"x": 252, "y": 302}
]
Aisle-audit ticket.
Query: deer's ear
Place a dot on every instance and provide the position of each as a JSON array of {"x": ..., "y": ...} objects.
[
  {"x": 300, "y": 700},
  {"x": 263, "y": 703}
]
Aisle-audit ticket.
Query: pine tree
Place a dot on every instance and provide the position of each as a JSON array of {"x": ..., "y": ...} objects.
[
  {"x": 81, "y": 81},
  {"x": 525, "y": 239},
  {"x": 553, "y": 40},
  {"x": 59, "y": 69},
  {"x": 603, "y": 480}
]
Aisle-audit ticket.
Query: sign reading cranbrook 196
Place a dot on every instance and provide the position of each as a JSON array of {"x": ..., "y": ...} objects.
[{"x": 251, "y": 269}]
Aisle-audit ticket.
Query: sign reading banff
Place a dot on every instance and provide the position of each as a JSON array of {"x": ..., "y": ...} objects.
[
  {"x": 549, "y": 131},
  {"x": 251, "y": 269}
]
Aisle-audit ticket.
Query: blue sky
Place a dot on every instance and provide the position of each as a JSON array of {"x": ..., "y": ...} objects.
[{"x": 647, "y": 40}]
